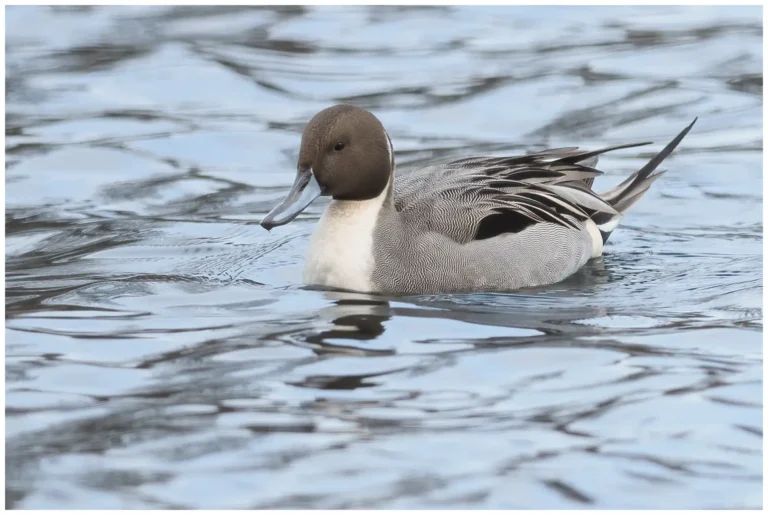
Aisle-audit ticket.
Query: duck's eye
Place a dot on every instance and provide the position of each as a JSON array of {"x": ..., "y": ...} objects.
[{"x": 338, "y": 147}]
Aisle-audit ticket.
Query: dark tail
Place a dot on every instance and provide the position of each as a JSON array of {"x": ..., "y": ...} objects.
[{"x": 623, "y": 196}]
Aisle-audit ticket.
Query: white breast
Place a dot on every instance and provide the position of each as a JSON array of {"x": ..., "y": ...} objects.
[
  {"x": 597, "y": 238},
  {"x": 341, "y": 250}
]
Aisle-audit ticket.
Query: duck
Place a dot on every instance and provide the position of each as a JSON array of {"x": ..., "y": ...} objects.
[{"x": 476, "y": 224}]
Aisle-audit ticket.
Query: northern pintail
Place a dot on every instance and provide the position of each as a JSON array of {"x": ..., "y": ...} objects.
[{"x": 475, "y": 224}]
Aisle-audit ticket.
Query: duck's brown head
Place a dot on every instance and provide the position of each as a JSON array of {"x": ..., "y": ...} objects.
[{"x": 345, "y": 154}]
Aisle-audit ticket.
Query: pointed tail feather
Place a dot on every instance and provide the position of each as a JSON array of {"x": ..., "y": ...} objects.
[{"x": 623, "y": 196}]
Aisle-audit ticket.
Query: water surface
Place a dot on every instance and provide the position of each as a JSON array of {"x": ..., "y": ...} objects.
[{"x": 161, "y": 353}]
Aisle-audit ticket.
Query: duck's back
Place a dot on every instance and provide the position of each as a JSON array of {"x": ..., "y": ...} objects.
[{"x": 490, "y": 224}]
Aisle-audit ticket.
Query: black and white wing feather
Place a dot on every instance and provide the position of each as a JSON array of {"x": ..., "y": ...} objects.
[{"x": 483, "y": 197}]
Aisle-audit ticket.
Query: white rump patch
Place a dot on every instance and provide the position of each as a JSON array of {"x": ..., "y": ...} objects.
[
  {"x": 610, "y": 225},
  {"x": 597, "y": 238}
]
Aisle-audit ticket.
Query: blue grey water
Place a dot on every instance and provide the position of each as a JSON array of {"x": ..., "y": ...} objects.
[{"x": 161, "y": 352}]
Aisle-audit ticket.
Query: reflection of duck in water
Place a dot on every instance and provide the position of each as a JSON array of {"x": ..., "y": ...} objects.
[
  {"x": 359, "y": 321},
  {"x": 353, "y": 319},
  {"x": 476, "y": 224}
]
